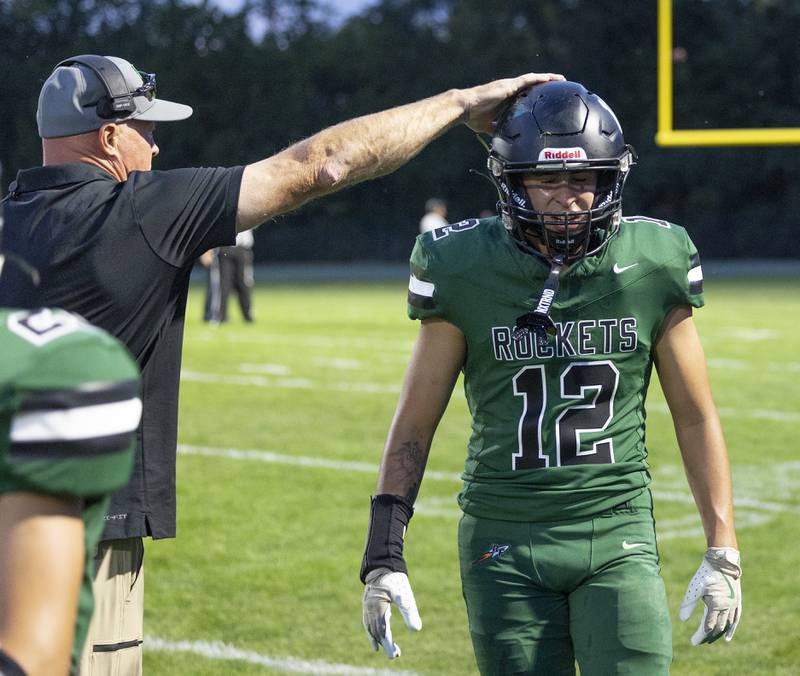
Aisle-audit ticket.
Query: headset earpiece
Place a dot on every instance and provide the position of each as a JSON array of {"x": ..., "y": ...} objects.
[{"x": 118, "y": 101}]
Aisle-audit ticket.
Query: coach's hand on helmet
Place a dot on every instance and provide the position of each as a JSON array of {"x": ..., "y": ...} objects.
[
  {"x": 718, "y": 582},
  {"x": 483, "y": 104},
  {"x": 382, "y": 588}
]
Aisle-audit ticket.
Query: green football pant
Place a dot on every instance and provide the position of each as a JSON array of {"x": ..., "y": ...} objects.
[{"x": 542, "y": 595}]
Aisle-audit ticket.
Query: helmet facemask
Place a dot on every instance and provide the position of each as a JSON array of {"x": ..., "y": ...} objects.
[
  {"x": 560, "y": 126},
  {"x": 600, "y": 221}
]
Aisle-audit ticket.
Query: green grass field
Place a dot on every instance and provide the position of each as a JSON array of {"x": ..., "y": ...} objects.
[{"x": 282, "y": 426}]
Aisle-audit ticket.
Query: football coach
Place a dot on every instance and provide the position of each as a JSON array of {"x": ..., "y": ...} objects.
[{"x": 115, "y": 242}]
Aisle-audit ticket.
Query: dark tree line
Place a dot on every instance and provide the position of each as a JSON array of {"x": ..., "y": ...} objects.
[{"x": 278, "y": 70}]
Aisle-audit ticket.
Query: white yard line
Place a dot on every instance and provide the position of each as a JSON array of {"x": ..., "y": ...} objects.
[
  {"x": 750, "y": 512},
  {"x": 675, "y": 496},
  {"x": 690, "y": 526},
  {"x": 267, "y": 369},
  {"x": 288, "y": 383},
  {"x": 752, "y": 335},
  {"x": 382, "y": 388},
  {"x": 339, "y": 363},
  {"x": 306, "y": 340},
  {"x": 725, "y": 412},
  {"x": 747, "y": 365},
  {"x": 298, "y": 460},
  {"x": 763, "y": 414},
  {"x": 325, "y": 362},
  {"x": 216, "y": 650}
]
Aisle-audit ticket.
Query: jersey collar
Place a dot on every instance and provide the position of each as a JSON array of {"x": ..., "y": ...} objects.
[{"x": 56, "y": 176}]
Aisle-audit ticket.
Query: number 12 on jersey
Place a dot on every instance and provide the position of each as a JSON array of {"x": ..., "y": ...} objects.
[{"x": 593, "y": 387}]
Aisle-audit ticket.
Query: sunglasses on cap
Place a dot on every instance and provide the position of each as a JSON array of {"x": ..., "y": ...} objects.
[
  {"x": 123, "y": 104},
  {"x": 148, "y": 88}
]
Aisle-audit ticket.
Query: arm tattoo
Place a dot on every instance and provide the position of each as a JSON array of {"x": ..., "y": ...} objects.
[{"x": 411, "y": 459}]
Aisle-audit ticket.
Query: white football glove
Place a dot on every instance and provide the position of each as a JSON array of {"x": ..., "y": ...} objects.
[
  {"x": 717, "y": 581},
  {"x": 382, "y": 587}
]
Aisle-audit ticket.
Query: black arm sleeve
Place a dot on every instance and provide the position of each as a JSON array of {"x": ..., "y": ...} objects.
[
  {"x": 388, "y": 520},
  {"x": 184, "y": 212}
]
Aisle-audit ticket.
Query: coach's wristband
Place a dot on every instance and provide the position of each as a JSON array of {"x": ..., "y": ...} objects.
[{"x": 388, "y": 519}]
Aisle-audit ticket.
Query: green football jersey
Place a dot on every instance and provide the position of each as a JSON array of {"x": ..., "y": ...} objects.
[
  {"x": 69, "y": 410},
  {"x": 558, "y": 432}
]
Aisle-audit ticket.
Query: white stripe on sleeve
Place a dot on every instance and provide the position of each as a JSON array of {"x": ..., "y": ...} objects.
[
  {"x": 72, "y": 424},
  {"x": 696, "y": 274},
  {"x": 420, "y": 287}
]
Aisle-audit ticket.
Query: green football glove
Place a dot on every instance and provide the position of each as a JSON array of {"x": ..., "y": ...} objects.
[
  {"x": 382, "y": 588},
  {"x": 717, "y": 582}
]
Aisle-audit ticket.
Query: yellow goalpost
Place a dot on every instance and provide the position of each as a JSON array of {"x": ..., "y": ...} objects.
[{"x": 667, "y": 136}]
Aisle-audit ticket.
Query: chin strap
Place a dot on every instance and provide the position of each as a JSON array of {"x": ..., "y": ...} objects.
[{"x": 539, "y": 320}]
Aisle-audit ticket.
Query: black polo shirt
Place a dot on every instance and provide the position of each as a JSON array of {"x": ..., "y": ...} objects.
[{"x": 120, "y": 254}]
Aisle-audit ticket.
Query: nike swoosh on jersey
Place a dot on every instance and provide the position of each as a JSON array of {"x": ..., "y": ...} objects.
[
  {"x": 619, "y": 269},
  {"x": 632, "y": 545}
]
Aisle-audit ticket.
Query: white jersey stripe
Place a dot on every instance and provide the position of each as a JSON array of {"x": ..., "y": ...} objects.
[
  {"x": 696, "y": 274},
  {"x": 72, "y": 424},
  {"x": 420, "y": 287}
]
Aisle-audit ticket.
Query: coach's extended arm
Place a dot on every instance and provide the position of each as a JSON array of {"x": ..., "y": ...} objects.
[{"x": 366, "y": 147}]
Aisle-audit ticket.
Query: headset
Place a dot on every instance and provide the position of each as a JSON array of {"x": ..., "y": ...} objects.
[{"x": 118, "y": 101}]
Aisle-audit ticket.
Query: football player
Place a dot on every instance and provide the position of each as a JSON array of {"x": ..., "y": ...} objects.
[
  {"x": 69, "y": 406},
  {"x": 556, "y": 312}
]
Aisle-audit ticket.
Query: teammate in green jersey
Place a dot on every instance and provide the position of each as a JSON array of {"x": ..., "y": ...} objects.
[
  {"x": 69, "y": 407},
  {"x": 556, "y": 311}
]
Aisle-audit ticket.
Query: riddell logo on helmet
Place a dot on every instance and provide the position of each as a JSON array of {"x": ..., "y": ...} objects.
[{"x": 562, "y": 154}]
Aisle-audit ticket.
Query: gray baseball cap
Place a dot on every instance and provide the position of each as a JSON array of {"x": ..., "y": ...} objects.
[{"x": 85, "y": 92}]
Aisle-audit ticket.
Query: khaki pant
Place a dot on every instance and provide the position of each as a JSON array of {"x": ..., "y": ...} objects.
[{"x": 114, "y": 643}]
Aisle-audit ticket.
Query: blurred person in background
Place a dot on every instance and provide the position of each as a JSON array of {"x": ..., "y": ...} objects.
[
  {"x": 435, "y": 215},
  {"x": 210, "y": 261},
  {"x": 236, "y": 274},
  {"x": 229, "y": 267},
  {"x": 556, "y": 312},
  {"x": 115, "y": 242}
]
